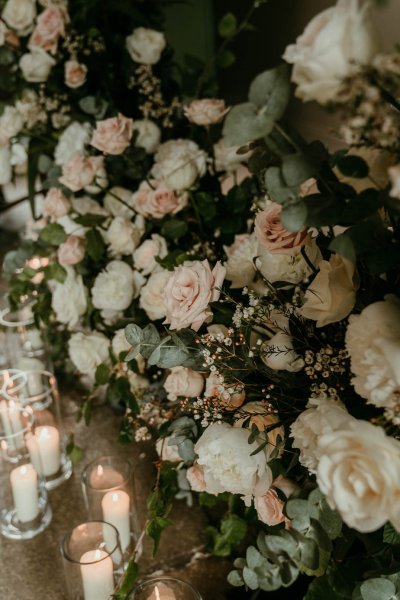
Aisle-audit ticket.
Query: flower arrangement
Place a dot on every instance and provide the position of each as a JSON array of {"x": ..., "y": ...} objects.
[{"x": 237, "y": 295}]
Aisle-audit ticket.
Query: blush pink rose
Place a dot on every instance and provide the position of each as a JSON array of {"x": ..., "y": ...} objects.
[
  {"x": 50, "y": 26},
  {"x": 195, "y": 476},
  {"x": 80, "y": 171},
  {"x": 114, "y": 135},
  {"x": 206, "y": 112},
  {"x": 188, "y": 292},
  {"x": 72, "y": 251},
  {"x": 272, "y": 235},
  {"x": 157, "y": 200},
  {"x": 55, "y": 204},
  {"x": 74, "y": 74},
  {"x": 183, "y": 382},
  {"x": 269, "y": 508}
]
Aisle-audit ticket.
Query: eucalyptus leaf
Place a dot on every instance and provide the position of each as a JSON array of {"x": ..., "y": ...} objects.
[
  {"x": 235, "y": 579},
  {"x": 134, "y": 334},
  {"x": 244, "y": 123},
  {"x": 294, "y": 215},
  {"x": 250, "y": 578},
  {"x": 378, "y": 589},
  {"x": 296, "y": 169},
  {"x": 271, "y": 91}
]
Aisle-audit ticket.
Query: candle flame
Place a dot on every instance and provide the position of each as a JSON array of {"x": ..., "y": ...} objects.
[
  {"x": 23, "y": 470},
  {"x": 44, "y": 433},
  {"x": 100, "y": 471},
  {"x": 97, "y": 554},
  {"x": 158, "y": 597},
  {"x": 115, "y": 497}
]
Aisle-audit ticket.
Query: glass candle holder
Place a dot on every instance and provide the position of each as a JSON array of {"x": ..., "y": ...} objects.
[
  {"x": 24, "y": 509},
  {"x": 12, "y": 380},
  {"x": 92, "y": 559},
  {"x": 24, "y": 347},
  {"x": 164, "y": 588},
  {"x": 40, "y": 392},
  {"x": 108, "y": 490}
]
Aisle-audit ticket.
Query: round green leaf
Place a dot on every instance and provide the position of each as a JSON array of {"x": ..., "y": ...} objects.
[
  {"x": 377, "y": 589},
  {"x": 245, "y": 123}
]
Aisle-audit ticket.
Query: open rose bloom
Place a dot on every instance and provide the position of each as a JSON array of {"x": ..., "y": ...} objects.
[{"x": 113, "y": 136}]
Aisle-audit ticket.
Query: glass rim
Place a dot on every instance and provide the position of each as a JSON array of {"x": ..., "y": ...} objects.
[
  {"x": 92, "y": 562},
  {"x": 34, "y": 398},
  {"x": 86, "y": 479},
  {"x": 14, "y": 374},
  {"x": 28, "y": 412},
  {"x": 9, "y": 323},
  {"x": 140, "y": 587}
]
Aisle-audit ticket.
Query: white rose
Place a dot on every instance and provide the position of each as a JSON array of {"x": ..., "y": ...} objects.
[
  {"x": 20, "y": 15},
  {"x": 332, "y": 47},
  {"x": 72, "y": 141},
  {"x": 151, "y": 299},
  {"x": 195, "y": 477},
  {"x": 278, "y": 354},
  {"x": 166, "y": 451},
  {"x": 183, "y": 382},
  {"x": 11, "y": 122},
  {"x": 287, "y": 267},
  {"x": 144, "y": 256},
  {"x": 36, "y": 65},
  {"x": 119, "y": 343},
  {"x": 373, "y": 342},
  {"x": 122, "y": 237},
  {"x": 5, "y": 165},
  {"x": 179, "y": 163},
  {"x": 225, "y": 455},
  {"x": 322, "y": 416},
  {"x": 115, "y": 287},
  {"x": 87, "y": 351},
  {"x": 359, "y": 473},
  {"x": 145, "y": 45},
  {"x": 116, "y": 201},
  {"x": 239, "y": 266},
  {"x": 148, "y": 135},
  {"x": 84, "y": 205},
  {"x": 69, "y": 299},
  {"x": 19, "y": 158},
  {"x": 227, "y": 158}
]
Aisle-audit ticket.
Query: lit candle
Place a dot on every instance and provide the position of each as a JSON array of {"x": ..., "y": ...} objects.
[
  {"x": 44, "y": 450},
  {"x": 12, "y": 424},
  {"x": 25, "y": 492},
  {"x": 115, "y": 506},
  {"x": 105, "y": 477},
  {"x": 162, "y": 592},
  {"x": 34, "y": 385},
  {"x": 5, "y": 419},
  {"x": 97, "y": 575}
]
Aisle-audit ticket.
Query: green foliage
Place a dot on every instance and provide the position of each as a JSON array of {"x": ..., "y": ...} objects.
[
  {"x": 227, "y": 26},
  {"x": 120, "y": 397},
  {"x": 390, "y": 535},
  {"x": 55, "y": 271},
  {"x": 16, "y": 259},
  {"x": 53, "y": 234},
  {"x": 130, "y": 576},
  {"x": 183, "y": 432},
  {"x": 159, "y": 503},
  {"x": 378, "y": 589},
  {"x": 102, "y": 374},
  {"x": 174, "y": 229},
  {"x": 232, "y": 531},
  {"x": 74, "y": 452}
]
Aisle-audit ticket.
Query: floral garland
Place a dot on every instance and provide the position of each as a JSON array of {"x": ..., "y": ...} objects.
[{"x": 238, "y": 296}]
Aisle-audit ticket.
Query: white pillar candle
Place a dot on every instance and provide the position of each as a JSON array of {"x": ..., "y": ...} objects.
[
  {"x": 34, "y": 384},
  {"x": 44, "y": 450},
  {"x": 115, "y": 507},
  {"x": 25, "y": 492},
  {"x": 11, "y": 417},
  {"x": 34, "y": 337},
  {"x": 5, "y": 419},
  {"x": 97, "y": 577},
  {"x": 162, "y": 592},
  {"x": 104, "y": 477}
]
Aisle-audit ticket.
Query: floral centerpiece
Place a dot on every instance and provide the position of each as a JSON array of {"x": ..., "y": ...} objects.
[{"x": 237, "y": 296}]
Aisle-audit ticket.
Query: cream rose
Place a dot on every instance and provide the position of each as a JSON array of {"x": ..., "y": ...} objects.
[
  {"x": 119, "y": 202},
  {"x": 49, "y": 28},
  {"x": 115, "y": 287},
  {"x": 151, "y": 295},
  {"x": 55, "y": 204},
  {"x": 373, "y": 343},
  {"x": 359, "y": 473},
  {"x": 225, "y": 455},
  {"x": 122, "y": 237},
  {"x": 332, "y": 47},
  {"x": 80, "y": 171},
  {"x": 72, "y": 141},
  {"x": 69, "y": 299},
  {"x": 84, "y": 205},
  {"x": 256, "y": 413},
  {"x": 74, "y": 74},
  {"x": 278, "y": 354},
  {"x": 179, "y": 163},
  {"x": 145, "y": 45},
  {"x": 87, "y": 351},
  {"x": 167, "y": 451},
  {"x": 183, "y": 382},
  {"x": 229, "y": 397},
  {"x": 287, "y": 267},
  {"x": 273, "y": 236},
  {"x": 332, "y": 294},
  {"x": 207, "y": 111},
  {"x": 36, "y": 65},
  {"x": 119, "y": 343},
  {"x": 157, "y": 200},
  {"x": 226, "y": 157},
  {"x": 20, "y": 15},
  {"x": 11, "y": 123},
  {"x": 148, "y": 135},
  {"x": 72, "y": 251},
  {"x": 144, "y": 257},
  {"x": 322, "y": 416},
  {"x": 113, "y": 136},
  {"x": 195, "y": 477},
  {"x": 188, "y": 292},
  {"x": 240, "y": 268}
]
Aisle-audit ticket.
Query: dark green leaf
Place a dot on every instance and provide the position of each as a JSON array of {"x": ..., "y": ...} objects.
[
  {"x": 89, "y": 220},
  {"x": 102, "y": 374},
  {"x": 55, "y": 271},
  {"x": 390, "y": 535},
  {"x": 87, "y": 411},
  {"x": 225, "y": 59},
  {"x": 296, "y": 169},
  {"x": 353, "y": 166},
  {"x": 95, "y": 245},
  {"x": 53, "y": 234},
  {"x": 130, "y": 576},
  {"x": 227, "y": 25},
  {"x": 294, "y": 216},
  {"x": 174, "y": 229}
]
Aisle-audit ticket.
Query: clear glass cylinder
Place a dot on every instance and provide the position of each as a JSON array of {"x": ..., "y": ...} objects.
[
  {"x": 24, "y": 346},
  {"x": 164, "y": 588},
  {"x": 92, "y": 561},
  {"x": 40, "y": 392},
  {"x": 24, "y": 508},
  {"x": 109, "y": 494}
]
